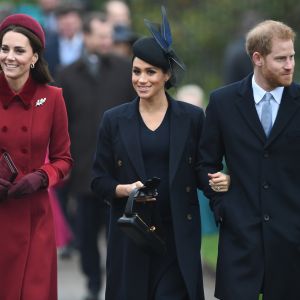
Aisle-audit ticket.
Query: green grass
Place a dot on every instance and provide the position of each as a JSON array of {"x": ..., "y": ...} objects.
[{"x": 210, "y": 249}]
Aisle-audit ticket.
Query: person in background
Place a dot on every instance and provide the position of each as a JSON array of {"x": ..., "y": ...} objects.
[
  {"x": 237, "y": 63},
  {"x": 66, "y": 45},
  {"x": 33, "y": 120},
  {"x": 154, "y": 135},
  {"x": 118, "y": 12},
  {"x": 194, "y": 94},
  {"x": 48, "y": 12},
  {"x": 255, "y": 124},
  {"x": 95, "y": 82},
  {"x": 123, "y": 39}
]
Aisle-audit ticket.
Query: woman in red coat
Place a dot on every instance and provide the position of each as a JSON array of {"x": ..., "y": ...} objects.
[{"x": 32, "y": 119}]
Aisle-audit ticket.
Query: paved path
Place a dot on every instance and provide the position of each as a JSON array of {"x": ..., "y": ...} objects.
[{"x": 71, "y": 284}]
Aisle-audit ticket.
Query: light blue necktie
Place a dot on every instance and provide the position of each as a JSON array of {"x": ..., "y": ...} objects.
[{"x": 266, "y": 113}]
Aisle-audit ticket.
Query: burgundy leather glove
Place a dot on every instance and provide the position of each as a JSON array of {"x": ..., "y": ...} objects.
[
  {"x": 28, "y": 184},
  {"x": 4, "y": 187}
]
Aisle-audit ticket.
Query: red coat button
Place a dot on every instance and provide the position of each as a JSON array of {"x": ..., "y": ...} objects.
[
  {"x": 4, "y": 129},
  {"x": 24, "y": 128},
  {"x": 24, "y": 151}
]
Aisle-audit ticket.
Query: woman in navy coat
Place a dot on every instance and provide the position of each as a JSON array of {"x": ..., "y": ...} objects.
[{"x": 154, "y": 135}]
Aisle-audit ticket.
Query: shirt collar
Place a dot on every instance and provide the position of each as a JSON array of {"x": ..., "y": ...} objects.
[
  {"x": 258, "y": 92},
  {"x": 25, "y": 95}
]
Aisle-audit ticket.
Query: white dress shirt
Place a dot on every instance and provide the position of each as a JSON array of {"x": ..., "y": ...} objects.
[{"x": 258, "y": 94}]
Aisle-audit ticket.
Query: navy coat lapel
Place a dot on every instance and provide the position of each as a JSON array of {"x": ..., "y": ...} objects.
[
  {"x": 246, "y": 106},
  {"x": 289, "y": 105},
  {"x": 129, "y": 130},
  {"x": 179, "y": 128}
]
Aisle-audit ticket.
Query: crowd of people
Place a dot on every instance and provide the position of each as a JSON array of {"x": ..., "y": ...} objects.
[{"x": 87, "y": 118}]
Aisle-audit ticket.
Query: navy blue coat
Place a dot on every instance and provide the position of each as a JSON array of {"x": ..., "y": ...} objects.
[
  {"x": 119, "y": 160},
  {"x": 260, "y": 214}
]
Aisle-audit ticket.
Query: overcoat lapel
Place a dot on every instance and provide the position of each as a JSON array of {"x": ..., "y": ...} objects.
[
  {"x": 246, "y": 106},
  {"x": 288, "y": 107},
  {"x": 179, "y": 127},
  {"x": 129, "y": 124}
]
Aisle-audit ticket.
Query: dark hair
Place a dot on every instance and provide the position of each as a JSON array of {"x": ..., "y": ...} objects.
[
  {"x": 40, "y": 72},
  {"x": 89, "y": 17}
]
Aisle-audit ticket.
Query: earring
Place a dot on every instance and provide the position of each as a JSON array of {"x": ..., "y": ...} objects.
[{"x": 32, "y": 66}]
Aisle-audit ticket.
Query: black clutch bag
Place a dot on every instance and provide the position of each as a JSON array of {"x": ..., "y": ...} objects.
[
  {"x": 143, "y": 235},
  {"x": 8, "y": 170}
]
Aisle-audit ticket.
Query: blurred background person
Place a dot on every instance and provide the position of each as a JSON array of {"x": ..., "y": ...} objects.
[
  {"x": 98, "y": 80},
  {"x": 48, "y": 11},
  {"x": 194, "y": 94},
  {"x": 237, "y": 63},
  {"x": 123, "y": 39},
  {"x": 118, "y": 12},
  {"x": 66, "y": 45}
]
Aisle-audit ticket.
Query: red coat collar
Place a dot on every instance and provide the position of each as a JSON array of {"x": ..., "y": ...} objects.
[{"x": 25, "y": 95}]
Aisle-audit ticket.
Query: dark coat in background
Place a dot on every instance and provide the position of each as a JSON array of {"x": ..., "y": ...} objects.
[
  {"x": 119, "y": 160},
  {"x": 259, "y": 244},
  {"x": 87, "y": 97}
]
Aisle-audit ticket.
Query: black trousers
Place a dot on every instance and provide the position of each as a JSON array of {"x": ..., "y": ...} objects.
[{"x": 91, "y": 218}]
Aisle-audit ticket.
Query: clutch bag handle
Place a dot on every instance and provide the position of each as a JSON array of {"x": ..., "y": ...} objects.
[{"x": 130, "y": 202}]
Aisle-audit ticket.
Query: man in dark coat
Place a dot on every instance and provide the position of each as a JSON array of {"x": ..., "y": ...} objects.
[
  {"x": 91, "y": 85},
  {"x": 259, "y": 246}
]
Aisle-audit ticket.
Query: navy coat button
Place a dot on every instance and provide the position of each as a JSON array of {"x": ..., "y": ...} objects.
[
  {"x": 266, "y": 154},
  {"x": 188, "y": 189},
  {"x": 265, "y": 186},
  {"x": 189, "y": 217},
  {"x": 119, "y": 163},
  {"x": 266, "y": 218}
]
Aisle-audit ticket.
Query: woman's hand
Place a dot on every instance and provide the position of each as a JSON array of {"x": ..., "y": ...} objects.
[
  {"x": 123, "y": 190},
  {"x": 219, "y": 182}
]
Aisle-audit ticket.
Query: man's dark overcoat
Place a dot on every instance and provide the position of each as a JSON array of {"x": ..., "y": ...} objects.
[
  {"x": 259, "y": 217},
  {"x": 119, "y": 160},
  {"x": 87, "y": 97}
]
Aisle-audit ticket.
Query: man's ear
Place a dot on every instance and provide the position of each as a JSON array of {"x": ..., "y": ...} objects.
[{"x": 257, "y": 59}]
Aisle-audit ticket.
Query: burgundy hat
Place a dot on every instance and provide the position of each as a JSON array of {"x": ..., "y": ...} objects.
[{"x": 26, "y": 22}]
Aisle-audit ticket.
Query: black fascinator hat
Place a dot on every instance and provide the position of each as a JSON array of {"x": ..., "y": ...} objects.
[{"x": 157, "y": 50}]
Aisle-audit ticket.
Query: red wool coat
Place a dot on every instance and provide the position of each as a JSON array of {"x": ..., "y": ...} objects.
[{"x": 30, "y": 123}]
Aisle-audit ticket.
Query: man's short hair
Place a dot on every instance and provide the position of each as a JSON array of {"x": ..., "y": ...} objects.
[{"x": 259, "y": 39}]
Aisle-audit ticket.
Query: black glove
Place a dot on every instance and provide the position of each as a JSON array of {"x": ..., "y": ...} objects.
[
  {"x": 28, "y": 184},
  {"x": 4, "y": 187}
]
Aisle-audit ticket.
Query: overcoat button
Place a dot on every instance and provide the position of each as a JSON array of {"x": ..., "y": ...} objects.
[
  {"x": 190, "y": 159},
  {"x": 4, "y": 129},
  {"x": 189, "y": 217},
  {"x": 24, "y": 151},
  {"x": 5, "y": 106},
  {"x": 266, "y": 218},
  {"x": 266, "y": 154},
  {"x": 120, "y": 163},
  {"x": 265, "y": 186},
  {"x": 188, "y": 189},
  {"x": 24, "y": 128}
]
